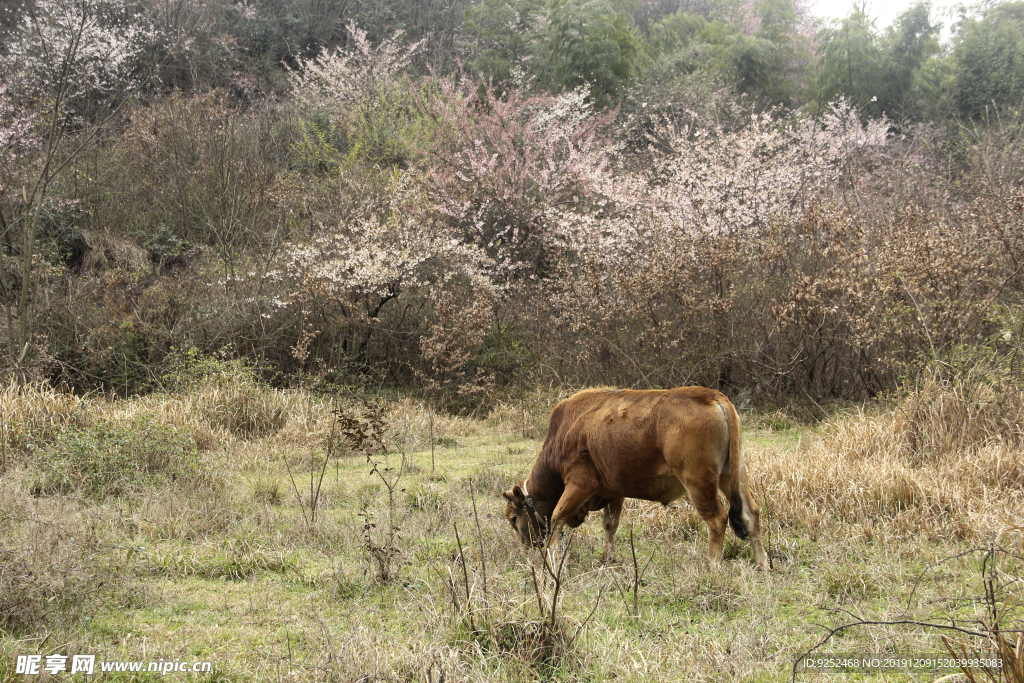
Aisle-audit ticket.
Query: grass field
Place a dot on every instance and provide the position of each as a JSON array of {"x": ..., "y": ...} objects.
[{"x": 191, "y": 527}]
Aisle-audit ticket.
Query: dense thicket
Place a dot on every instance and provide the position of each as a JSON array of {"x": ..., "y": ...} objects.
[{"x": 465, "y": 197}]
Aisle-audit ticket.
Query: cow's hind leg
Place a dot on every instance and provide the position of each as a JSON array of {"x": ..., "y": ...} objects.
[
  {"x": 703, "y": 490},
  {"x": 612, "y": 514}
]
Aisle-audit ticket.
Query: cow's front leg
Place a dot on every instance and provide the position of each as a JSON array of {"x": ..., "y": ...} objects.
[
  {"x": 612, "y": 514},
  {"x": 568, "y": 505}
]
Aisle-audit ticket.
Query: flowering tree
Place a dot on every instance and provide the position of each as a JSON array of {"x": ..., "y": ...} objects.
[
  {"x": 338, "y": 79},
  {"x": 343, "y": 282},
  {"x": 359, "y": 96},
  {"x": 70, "y": 66},
  {"x": 500, "y": 163},
  {"x": 79, "y": 52},
  {"x": 16, "y": 140},
  {"x": 724, "y": 182},
  {"x": 689, "y": 270}
]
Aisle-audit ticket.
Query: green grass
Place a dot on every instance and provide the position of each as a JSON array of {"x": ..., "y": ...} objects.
[{"x": 238, "y": 575}]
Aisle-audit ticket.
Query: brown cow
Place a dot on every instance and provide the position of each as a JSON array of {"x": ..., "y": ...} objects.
[{"x": 604, "y": 445}]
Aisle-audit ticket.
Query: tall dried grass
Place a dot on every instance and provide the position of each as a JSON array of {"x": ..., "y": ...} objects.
[
  {"x": 947, "y": 459},
  {"x": 219, "y": 411},
  {"x": 37, "y": 411}
]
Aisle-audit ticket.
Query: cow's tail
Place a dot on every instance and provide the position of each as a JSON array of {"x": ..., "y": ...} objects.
[{"x": 741, "y": 511}]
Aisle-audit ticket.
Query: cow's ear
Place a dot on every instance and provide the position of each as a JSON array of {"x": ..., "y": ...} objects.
[{"x": 515, "y": 496}]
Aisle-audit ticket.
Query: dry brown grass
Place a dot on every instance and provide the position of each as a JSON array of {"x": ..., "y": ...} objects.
[
  {"x": 225, "y": 412},
  {"x": 946, "y": 460},
  {"x": 30, "y": 412}
]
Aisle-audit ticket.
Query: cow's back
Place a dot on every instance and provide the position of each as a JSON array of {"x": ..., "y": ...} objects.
[{"x": 621, "y": 434}]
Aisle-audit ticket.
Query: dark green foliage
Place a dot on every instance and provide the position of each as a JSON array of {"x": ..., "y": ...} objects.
[
  {"x": 989, "y": 61},
  {"x": 908, "y": 44},
  {"x": 881, "y": 73},
  {"x": 851, "y": 60},
  {"x": 560, "y": 45},
  {"x": 778, "y": 77},
  {"x": 768, "y": 64},
  {"x": 751, "y": 63},
  {"x": 676, "y": 35},
  {"x": 590, "y": 42},
  {"x": 504, "y": 37}
]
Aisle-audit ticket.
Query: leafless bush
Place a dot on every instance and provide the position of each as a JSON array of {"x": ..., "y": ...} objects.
[
  {"x": 381, "y": 531},
  {"x": 192, "y": 171},
  {"x": 361, "y": 425},
  {"x": 631, "y": 580},
  {"x": 484, "y": 613},
  {"x": 1003, "y": 623}
]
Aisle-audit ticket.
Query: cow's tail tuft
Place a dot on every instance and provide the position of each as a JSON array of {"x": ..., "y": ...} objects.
[{"x": 736, "y": 517}]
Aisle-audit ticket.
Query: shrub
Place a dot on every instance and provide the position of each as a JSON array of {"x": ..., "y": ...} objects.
[
  {"x": 370, "y": 288},
  {"x": 119, "y": 458},
  {"x": 362, "y": 92},
  {"x": 500, "y": 162},
  {"x": 741, "y": 259}
]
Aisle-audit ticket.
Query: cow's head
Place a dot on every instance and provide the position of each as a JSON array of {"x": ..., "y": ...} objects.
[{"x": 523, "y": 516}]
